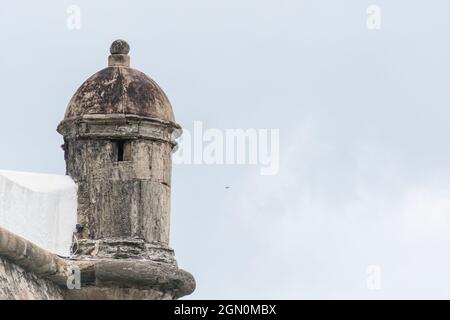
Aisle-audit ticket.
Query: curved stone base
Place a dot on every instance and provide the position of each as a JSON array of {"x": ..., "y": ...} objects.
[
  {"x": 128, "y": 268},
  {"x": 133, "y": 279}
]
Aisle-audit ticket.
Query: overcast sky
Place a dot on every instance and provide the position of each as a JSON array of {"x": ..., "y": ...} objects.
[{"x": 363, "y": 116}]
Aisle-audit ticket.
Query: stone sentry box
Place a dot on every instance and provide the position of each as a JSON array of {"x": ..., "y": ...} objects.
[
  {"x": 119, "y": 133},
  {"x": 123, "y": 179}
]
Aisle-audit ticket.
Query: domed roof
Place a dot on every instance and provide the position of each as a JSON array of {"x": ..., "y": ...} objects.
[{"x": 119, "y": 89}]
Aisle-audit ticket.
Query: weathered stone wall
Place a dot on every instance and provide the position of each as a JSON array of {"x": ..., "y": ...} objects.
[
  {"x": 129, "y": 197},
  {"x": 17, "y": 284}
]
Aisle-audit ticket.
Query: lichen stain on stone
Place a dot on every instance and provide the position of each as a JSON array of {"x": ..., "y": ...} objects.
[{"x": 120, "y": 90}]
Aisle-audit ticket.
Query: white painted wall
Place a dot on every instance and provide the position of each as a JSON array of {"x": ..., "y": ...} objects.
[{"x": 39, "y": 207}]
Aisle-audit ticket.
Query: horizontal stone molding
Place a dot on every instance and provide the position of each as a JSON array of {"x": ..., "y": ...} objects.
[
  {"x": 119, "y": 126},
  {"x": 125, "y": 248}
]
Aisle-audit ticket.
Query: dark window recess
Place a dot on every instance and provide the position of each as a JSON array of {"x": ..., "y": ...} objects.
[
  {"x": 120, "y": 148},
  {"x": 123, "y": 150}
]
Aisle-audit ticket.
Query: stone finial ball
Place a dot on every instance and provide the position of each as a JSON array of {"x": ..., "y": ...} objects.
[{"x": 119, "y": 47}]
